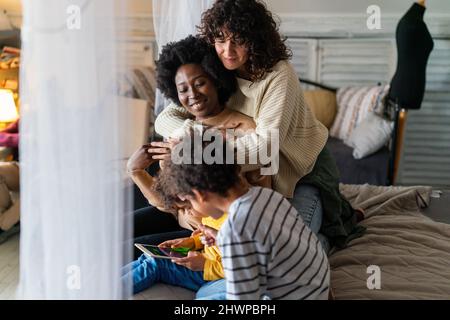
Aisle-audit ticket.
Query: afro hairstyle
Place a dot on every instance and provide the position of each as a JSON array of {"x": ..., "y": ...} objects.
[{"x": 193, "y": 50}]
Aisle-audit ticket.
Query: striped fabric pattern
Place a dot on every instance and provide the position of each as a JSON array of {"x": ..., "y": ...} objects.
[
  {"x": 268, "y": 252},
  {"x": 354, "y": 105},
  {"x": 275, "y": 102}
]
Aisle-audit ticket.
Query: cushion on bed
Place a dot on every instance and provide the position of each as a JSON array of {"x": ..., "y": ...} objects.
[
  {"x": 323, "y": 104},
  {"x": 353, "y": 106},
  {"x": 370, "y": 135}
]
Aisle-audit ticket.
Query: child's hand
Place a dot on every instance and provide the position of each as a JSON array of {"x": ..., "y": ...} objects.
[
  {"x": 177, "y": 243},
  {"x": 194, "y": 261},
  {"x": 209, "y": 235},
  {"x": 207, "y": 242},
  {"x": 204, "y": 239}
]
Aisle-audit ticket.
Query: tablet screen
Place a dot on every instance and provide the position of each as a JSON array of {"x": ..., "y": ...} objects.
[{"x": 165, "y": 252}]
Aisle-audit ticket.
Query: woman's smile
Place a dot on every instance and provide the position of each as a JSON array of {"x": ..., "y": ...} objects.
[{"x": 198, "y": 105}]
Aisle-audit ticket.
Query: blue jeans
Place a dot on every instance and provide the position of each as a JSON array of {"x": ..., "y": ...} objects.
[
  {"x": 308, "y": 204},
  {"x": 146, "y": 271},
  {"x": 213, "y": 290}
]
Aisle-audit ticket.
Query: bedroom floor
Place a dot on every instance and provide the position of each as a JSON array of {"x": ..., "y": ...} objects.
[
  {"x": 9, "y": 268},
  {"x": 439, "y": 210}
]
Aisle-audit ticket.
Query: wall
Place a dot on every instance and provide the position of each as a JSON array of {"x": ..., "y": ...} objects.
[
  {"x": 139, "y": 6},
  {"x": 352, "y": 6},
  {"x": 298, "y": 6},
  {"x": 10, "y": 5}
]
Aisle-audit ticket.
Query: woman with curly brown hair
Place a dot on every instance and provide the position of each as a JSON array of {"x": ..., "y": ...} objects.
[{"x": 247, "y": 41}]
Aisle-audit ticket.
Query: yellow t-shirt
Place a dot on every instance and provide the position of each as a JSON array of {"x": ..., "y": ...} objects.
[{"x": 213, "y": 269}]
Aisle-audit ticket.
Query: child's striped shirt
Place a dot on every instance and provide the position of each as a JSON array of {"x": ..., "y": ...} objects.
[{"x": 267, "y": 251}]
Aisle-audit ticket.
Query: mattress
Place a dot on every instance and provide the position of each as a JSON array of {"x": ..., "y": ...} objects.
[{"x": 407, "y": 251}]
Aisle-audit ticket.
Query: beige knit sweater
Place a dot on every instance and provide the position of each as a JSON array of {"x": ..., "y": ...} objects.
[{"x": 274, "y": 102}]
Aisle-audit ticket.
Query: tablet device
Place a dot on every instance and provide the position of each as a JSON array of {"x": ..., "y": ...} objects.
[{"x": 157, "y": 252}]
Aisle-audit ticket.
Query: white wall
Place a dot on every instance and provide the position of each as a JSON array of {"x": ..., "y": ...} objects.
[
  {"x": 299, "y": 6},
  {"x": 312, "y": 16},
  {"x": 351, "y": 6}
]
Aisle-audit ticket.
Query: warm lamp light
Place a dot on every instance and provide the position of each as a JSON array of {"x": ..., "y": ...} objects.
[{"x": 8, "y": 110}]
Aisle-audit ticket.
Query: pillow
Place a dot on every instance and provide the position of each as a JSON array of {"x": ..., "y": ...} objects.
[
  {"x": 323, "y": 104},
  {"x": 353, "y": 105},
  {"x": 370, "y": 135}
]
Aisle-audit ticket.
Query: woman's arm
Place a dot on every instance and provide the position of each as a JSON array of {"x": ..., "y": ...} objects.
[
  {"x": 172, "y": 118},
  {"x": 140, "y": 160},
  {"x": 274, "y": 117},
  {"x": 145, "y": 183},
  {"x": 284, "y": 123}
]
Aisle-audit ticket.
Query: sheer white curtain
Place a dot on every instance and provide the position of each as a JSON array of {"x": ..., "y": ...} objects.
[
  {"x": 74, "y": 214},
  {"x": 174, "y": 20}
]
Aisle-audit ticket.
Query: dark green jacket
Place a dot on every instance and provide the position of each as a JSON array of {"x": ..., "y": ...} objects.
[{"x": 339, "y": 218}]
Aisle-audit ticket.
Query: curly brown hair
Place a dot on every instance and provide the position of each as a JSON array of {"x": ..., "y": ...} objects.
[{"x": 250, "y": 23}]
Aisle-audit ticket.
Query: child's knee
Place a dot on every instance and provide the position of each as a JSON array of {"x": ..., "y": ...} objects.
[{"x": 153, "y": 265}]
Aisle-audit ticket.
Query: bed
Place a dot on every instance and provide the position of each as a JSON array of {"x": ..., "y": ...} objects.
[{"x": 411, "y": 250}]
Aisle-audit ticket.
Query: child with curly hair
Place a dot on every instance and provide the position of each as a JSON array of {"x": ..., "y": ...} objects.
[{"x": 267, "y": 250}]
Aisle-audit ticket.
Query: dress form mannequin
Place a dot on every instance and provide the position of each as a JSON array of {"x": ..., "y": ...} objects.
[{"x": 414, "y": 44}]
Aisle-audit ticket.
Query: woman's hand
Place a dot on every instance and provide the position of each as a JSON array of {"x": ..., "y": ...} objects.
[
  {"x": 140, "y": 159},
  {"x": 194, "y": 261},
  {"x": 230, "y": 126},
  {"x": 177, "y": 243},
  {"x": 161, "y": 150}
]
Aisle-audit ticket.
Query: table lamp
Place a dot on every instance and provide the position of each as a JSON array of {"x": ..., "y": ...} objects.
[{"x": 8, "y": 110}]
